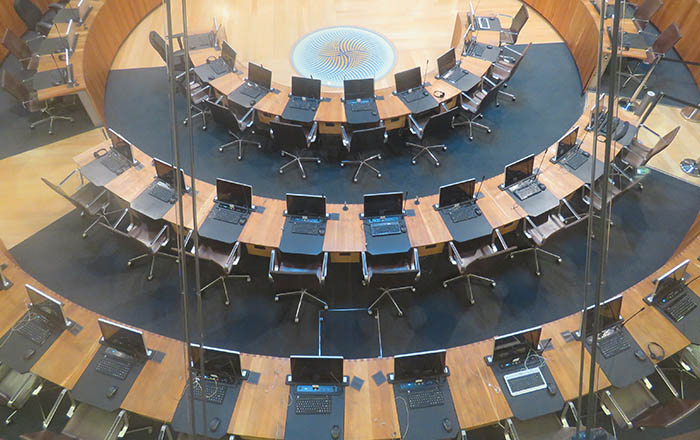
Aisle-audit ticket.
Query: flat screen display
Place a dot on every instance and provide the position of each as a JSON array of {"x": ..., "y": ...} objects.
[
  {"x": 446, "y": 62},
  {"x": 302, "y": 205},
  {"x": 260, "y": 75},
  {"x": 456, "y": 193},
  {"x": 120, "y": 144},
  {"x": 376, "y": 205},
  {"x": 423, "y": 365},
  {"x": 609, "y": 315},
  {"x": 408, "y": 79},
  {"x": 224, "y": 364},
  {"x": 234, "y": 193},
  {"x": 166, "y": 173},
  {"x": 670, "y": 281},
  {"x": 515, "y": 347},
  {"x": 42, "y": 304},
  {"x": 519, "y": 170},
  {"x": 306, "y": 87},
  {"x": 358, "y": 89},
  {"x": 567, "y": 143},
  {"x": 123, "y": 338},
  {"x": 317, "y": 369},
  {"x": 228, "y": 55}
]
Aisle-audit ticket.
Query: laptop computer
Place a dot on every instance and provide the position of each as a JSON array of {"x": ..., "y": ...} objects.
[
  {"x": 45, "y": 317},
  {"x": 226, "y": 63},
  {"x": 165, "y": 187},
  {"x": 124, "y": 349},
  {"x": 512, "y": 354},
  {"x": 612, "y": 340},
  {"x": 383, "y": 213},
  {"x": 359, "y": 101},
  {"x": 314, "y": 381},
  {"x": 303, "y": 101},
  {"x": 258, "y": 83},
  {"x": 671, "y": 294},
  {"x": 521, "y": 180},
  {"x": 307, "y": 213},
  {"x": 569, "y": 152},
  {"x": 418, "y": 376},
  {"x": 458, "y": 200},
  {"x": 119, "y": 158},
  {"x": 222, "y": 370},
  {"x": 233, "y": 202},
  {"x": 409, "y": 85}
]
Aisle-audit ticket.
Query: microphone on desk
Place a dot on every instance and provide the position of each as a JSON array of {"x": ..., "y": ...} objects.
[
  {"x": 426, "y": 69},
  {"x": 405, "y": 200},
  {"x": 476, "y": 194},
  {"x": 625, "y": 321}
]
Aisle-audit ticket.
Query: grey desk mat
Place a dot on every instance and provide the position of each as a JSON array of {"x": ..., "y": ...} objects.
[
  {"x": 465, "y": 83},
  {"x": 467, "y": 229},
  {"x": 304, "y": 244},
  {"x": 52, "y": 45},
  {"x": 361, "y": 117},
  {"x": 624, "y": 368},
  {"x": 149, "y": 206},
  {"x": 426, "y": 423},
  {"x": 490, "y": 52},
  {"x": 13, "y": 347},
  {"x": 537, "y": 204},
  {"x": 181, "y": 419},
  {"x": 92, "y": 386},
  {"x": 201, "y": 41},
  {"x": 427, "y": 102},
  {"x": 96, "y": 173},
  {"x": 48, "y": 78},
  {"x": 534, "y": 404},
  {"x": 206, "y": 73},
  {"x": 386, "y": 244},
  {"x": 298, "y": 115},
  {"x": 243, "y": 100},
  {"x": 583, "y": 172},
  {"x": 315, "y": 426},
  {"x": 690, "y": 324},
  {"x": 220, "y": 231}
]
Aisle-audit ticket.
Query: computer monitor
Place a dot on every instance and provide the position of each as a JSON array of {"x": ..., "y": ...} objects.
[
  {"x": 120, "y": 145},
  {"x": 519, "y": 170},
  {"x": 358, "y": 89},
  {"x": 566, "y": 143},
  {"x": 49, "y": 308},
  {"x": 609, "y": 314},
  {"x": 234, "y": 193},
  {"x": 446, "y": 62},
  {"x": 317, "y": 370},
  {"x": 669, "y": 282},
  {"x": 423, "y": 365},
  {"x": 376, "y": 205},
  {"x": 219, "y": 35},
  {"x": 306, "y": 87},
  {"x": 260, "y": 75},
  {"x": 228, "y": 55},
  {"x": 408, "y": 79},
  {"x": 514, "y": 347},
  {"x": 457, "y": 192},
  {"x": 219, "y": 362},
  {"x": 83, "y": 10},
  {"x": 303, "y": 205},
  {"x": 71, "y": 36},
  {"x": 123, "y": 338},
  {"x": 166, "y": 173}
]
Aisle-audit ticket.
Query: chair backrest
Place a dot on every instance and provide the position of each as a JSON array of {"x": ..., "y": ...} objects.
[
  {"x": 158, "y": 43},
  {"x": 440, "y": 123},
  {"x": 645, "y": 11},
  {"x": 668, "y": 38},
  {"x": 14, "y": 87},
  {"x": 393, "y": 270},
  {"x": 367, "y": 139},
  {"x": 288, "y": 135},
  {"x": 519, "y": 21},
  {"x": 295, "y": 271},
  {"x": 17, "y": 47},
  {"x": 28, "y": 12},
  {"x": 519, "y": 60},
  {"x": 223, "y": 116},
  {"x": 664, "y": 142},
  {"x": 62, "y": 193},
  {"x": 632, "y": 400},
  {"x": 492, "y": 92}
]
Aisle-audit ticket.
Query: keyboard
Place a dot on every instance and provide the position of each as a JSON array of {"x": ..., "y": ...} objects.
[
  {"x": 413, "y": 96},
  {"x": 525, "y": 381},
  {"x": 464, "y": 212},
  {"x": 475, "y": 50},
  {"x": 110, "y": 366},
  {"x": 575, "y": 161},
  {"x": 227, "y": 215},
  {"x": 163, "y": 193},
  {"x": 300, "y": 104},
  {"x": 219, "y": 66},
  {"x": 251, "y": 91},
  {"x": 214, "y": 392},
  {"x": 312, "y": 405},
  {"x": 307, "y": 227},
  {"x": 425, "y": 398},
  {"x": 36, "y": 330},
  {"x": 527, "y": 191},
  {"x": 362, "y": 106},
  {"x": 115, "y": 162},
  {"x": 613, "y": 344},
  {"x": 385, "y": 228},
  {"x": 680, "y": 308}
]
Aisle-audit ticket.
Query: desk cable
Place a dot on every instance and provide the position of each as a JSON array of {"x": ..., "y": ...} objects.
[{"x": 408, "y": 415}]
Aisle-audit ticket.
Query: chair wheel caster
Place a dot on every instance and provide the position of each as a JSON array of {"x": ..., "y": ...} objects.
[
  {"x": 149, "y": 278},
  {"x": 511, "y": 256},
  {"x": 277, "y": 299},
  {"x": 413, "y": 289},
  {"x": 493, "y": 285},
  {"x": 354, "y": 180},
  {"x": 303, "y": 176},
  {"x": 128, "y": 263},
  {"x": 413, "y": 162},
  {"x": 481, "y": 116},
  {"x": 400, "y": 314},
  {"x": 296, "y": 320},
  {"x": 248, "y": 279},
  {"x": 558, "y": 260},
  {"x": 488, "y": 131},
  {"x": 538, "y": 273},
  {"x": 240, "y": 157},
  {"x": 204, "y": 128},
  {"x": 281, "y": 171},
  {"x": 369, "y": 312},
  {"x": 471, "y": 302},
  {"x": 379, "y": 157},
  {"x": 226, "y": 303},
  {"x": 342, "y": 165},
  {"x": 221, "y": 150},
  {"x": 444, "y": 148},
  {"x": 437, "y": 164},
  {"x": 84, "y": 235},
  {"x": 471, "y": 138},
  {"x": 51, "y": 133},
  {"x": 282, "y": 154},
  {"x": 379, "y": 175},
  {"x": 325, "y": 307},
  {"x": 318, "y": 161},
  {"x": 444, "y": 285},
  {"x": 513, "y": 99}
]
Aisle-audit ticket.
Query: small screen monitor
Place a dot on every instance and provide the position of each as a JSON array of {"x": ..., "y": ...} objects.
[
  {"x": 423, "y": 365},
  {"x": 446, "y": 62},
  {"x": 228, "y": 55},
  {"x": 358, "y": 89},
  {"x": 670, "y": 281},
  {"x": 303, "y": 205},
  {"x": 306, "y": 87},
  {"x": 609, "y": 315},
  {"x": 234, "y": 193},
  {"x": 123, "y": 338},
  {"x": 519, "y": 170},
  {"x": 219, "y": 362},
  {"x": 120, "y": 144},
  {"x": 260, "y": 75},
  {"x": 317, "y": 370},
  {"x": 50, "y": 308},
  {"x": 71, "y": 36},
  {"x": 456, "y": 193},
  {"x": 408, "y": 79},
  {"x": 166, "y": 173},
  {"x": 376, "y": 205},
  {"x": 515, "y": 347},
  {"x": 566, "y": 143}
]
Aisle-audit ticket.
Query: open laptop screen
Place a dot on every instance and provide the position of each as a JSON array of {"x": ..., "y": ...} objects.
[
  {"x": 234, "y": 193},
  {"x": 358, "y": 89},
  {"x": 423, "y": 365},
  {"x": 307, "y": 87},
  {"x": 609, "y": 315},
  {"x": 408, "y": 79},
  {"x": 120, "y": 144},
  {"x": 46, "y": 306},
  {"x": 123, "y": 338},
  {"x": 306, "y": 205},
  {"x": 446, "y": 62},
  {"x": 317, "y": 369},
  {"x": 566, "y": 143},
  {"x": 456, "y": 193},
  {"x": 260, "y": 75},
  {"x": 224, "y": 364},
  {"x": 519, "y": 170},
  {"x": 228, "y": 55},
  {"x": 669, "y": 281},
  {"x": 515, "y": 347},
  {"x": 376, "y": 205}
]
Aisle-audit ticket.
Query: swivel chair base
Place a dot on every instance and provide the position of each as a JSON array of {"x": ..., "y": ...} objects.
[
  {"x": 536, "y": 250},
  {"x": 387, "y": 293},
  {"x": 238, "y": 140},
  {"x": 471, "y": 122},
  {"x": 50, "y": 119},
  {"x": 363, "y": 163},
  {"x": 223, "y": 279},
  {"x": 426, "y": 149},
  {"x": 101, "y": 216},
  {"x": 468, "y": 277},
  {"x": 298, "y": 161},
  {"x": 198, "y": 112},
  {"x": 149, "y": 277},
  {"x": 302, "y": 294}
]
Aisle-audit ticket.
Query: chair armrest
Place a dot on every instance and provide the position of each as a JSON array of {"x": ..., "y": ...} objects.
[
  {"x": 65, "y": 179},
  {"x": 486, "y": 78},
  {"x": 511, "y": 49},
  {"x": 666, "y": 381},
  {"x": 416, "y": 126},
  {"x": 324, "y": 268},
  {"x": 455, "y": 258},
  {"x": 472, "y": 100},
  {"x": 503, "y": 15},
  {"x": 273, "y": 261},
  {"x": 165, "y": 433},
  {"x": 121, "y": 416},
  {"x": 311, "y": 138},
  {"x": 650, "y": 131},
  {"x": 234, "y": 255},
  {"x": 246, "y": 118},
  {"x": 98, "y": 197},
  {"x": 365, "y": 269},
  {"x": 570, "y": 208},
  {"x": 497, "y": 234},
  {"x": 345, "y": 137},
  {"x": 121, "y": 217},
  {"x": 52, "y": 412},
  {"x": 416, "y": 263},
  {"x": 189, "y": 235},
  {"x": 617, "y": 407},
  {"x": 160, "y": 234}
]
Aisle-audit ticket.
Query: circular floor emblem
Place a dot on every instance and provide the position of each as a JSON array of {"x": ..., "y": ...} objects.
[{"x": 338, "y": 53}]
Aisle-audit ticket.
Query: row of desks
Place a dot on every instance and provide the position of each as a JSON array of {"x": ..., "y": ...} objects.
[{"x": 369, "y": 413}]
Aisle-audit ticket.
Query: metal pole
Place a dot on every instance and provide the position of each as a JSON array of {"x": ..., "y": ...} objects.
[
  {"x": 631, "y": 103},
  {"x": 691, "y": 113},
  {"x": 4, "y": 282}
]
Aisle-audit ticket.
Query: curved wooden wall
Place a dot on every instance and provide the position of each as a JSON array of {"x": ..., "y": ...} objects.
[
  {"x": 114, "y": 22},
  {"x": 577, "y": 23}
]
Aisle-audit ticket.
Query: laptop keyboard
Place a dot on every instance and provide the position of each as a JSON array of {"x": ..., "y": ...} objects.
[
  {"x": 413, "y": 96},
  {"x": 613, "y": 344},
  {"x": 219, "y": 66},
  {"x": 251, "y": 91},
  {"x": 362, "y": 106},
  {"x": 527, "y": 191},
  {"x": 575, "y": 161},
  {"x": 163, "y": 193},
  {"x": 475, "y": 50},
  {"x": 35, "y": 329},
  {"x": 300, "y": 104},
  {"x": 425, "y": 398},
  {"x": 312, "y": 405},
  {"x": 531, "y": 381},
  {"x": 306, "y": 227},
  {"x": 455, "y": 75},
  {"x": 227, "y": 215},
  {"x": 680, "y": 308},
  {"x": 464, "y": 212},
  {"x": 214, "y": 392},
  {"x": 114, "y": 162},
  {"x": 386, "y": 228},
  {"x": 109, "y": 366}
]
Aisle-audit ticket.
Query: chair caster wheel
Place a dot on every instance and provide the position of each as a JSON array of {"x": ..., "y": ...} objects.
[
  {"x": 248, "y": 279},
  {"x": 471, "y": 302},
  {"x": 128, "y": 263},
  {"x": 437, "y": 164},
  {"x": 84, "y": 235},
  {"x": 325, "y": 307},
  {"x": 369, "y": 312},
  {"x": 282, "y": 154},
  {"x": 281, "y": 171},
  {"x": 354, "y": 180},
  {"x": 413, "y": 162},
  {"x": 204, "y": 128},
  {"x": 277, "y": 299},
  {"x": 342, "y": 165},
  {"x": 513, "y": 99},
  {"x": 413, "y": 289},
  {"x": 400, "y": 314},
  {"x": 498, "y": 105},
  {"x": 471, "y": 138},
  {"x": 379, "y": 157},
  {"x": 511, "y": 256},
  {"x": 488, "y": 131},
  {"x": 481, "y": 116},
  {"x": 221, "y": 150},
  {"x": 318, "y": 161},
  {"x": 558, "y": 260},
  {"x": 303, "y": 176},
  {"x": 444, "y": 148},
  {"x": 51, "y": 133},
  {"x": 379, "y": 175},
  {"x": 226, "y": 303},
  {"x": 444, "y": 285},
  {"x": 538, "y": 273},
  {"x": 493, "y": 285},
  {"x": 296, "y": 320},
  {"x": 240, "y": 157},
  {"x": 149, "y": 278}
]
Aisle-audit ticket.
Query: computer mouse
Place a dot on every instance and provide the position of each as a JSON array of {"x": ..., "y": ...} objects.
[
  {"x": 585, "y": 153},
  {"x": 639, "y": 354},
  {"x": 374, "y": 113},
  {"x": 321, "y": 231},
  {"x": 425, "y": 93},
  {"x": 477, "y": 211},
  {"x": 29, "y": 353},
  {"x": 242, "y": 220},
  {"x": 313, "y": 108},
  {"x": 542, "y": 186},
  {"x": 214, "y": 424},
  {"x": 403, "y": 228},
  {"x": 111, "y": 391},
  {"x": 488, "y": 46},
  {"x": 335, "y": 432},
  {"x": 252, "y": 102},
  {"x": 447, "y": 424},
  {"x": 552, "y": 389}
]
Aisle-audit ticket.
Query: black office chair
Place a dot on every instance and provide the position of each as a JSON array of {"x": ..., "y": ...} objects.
[
  {"x": 656, "y": 52},
  {"x": 517, "y": 23},
  {"x": 360, "y": 142},
  {"x": 430, "y": 126},
  {"x": 160, "y": 46},
  {"x": 464, "y": 255},
  {"x": 471, "y": 111},
  {"x": 21, "y": 50},
  {"x": 32, "y": 16},
  {"x": 293, "y": 136},
  {"x": 390, "y": 273},
  {"x": 237, "y": 126},
  {"x": 298, "y": 272},
  {"x": 225, "y": 256},
  {"x": 504, "y": 69},
  {"x": 644, "y": 12},
  {"x": 489, "y": 92}
]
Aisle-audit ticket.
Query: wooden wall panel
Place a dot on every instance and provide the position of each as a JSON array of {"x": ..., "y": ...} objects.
[{"x": 114, "y": 22}]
